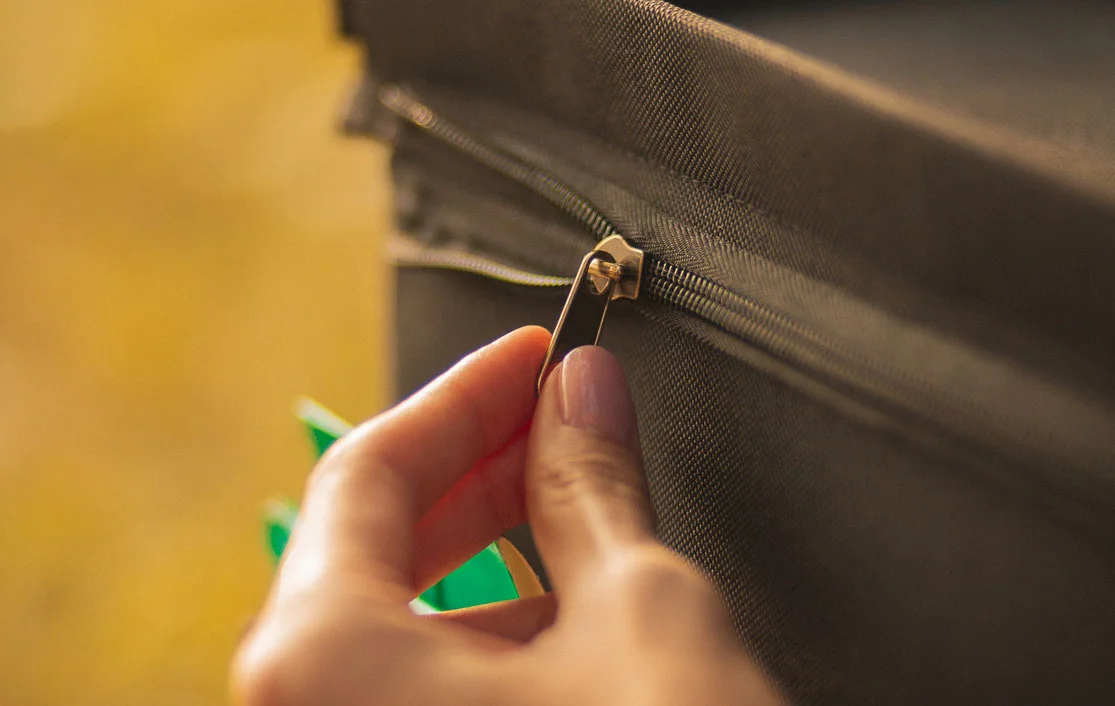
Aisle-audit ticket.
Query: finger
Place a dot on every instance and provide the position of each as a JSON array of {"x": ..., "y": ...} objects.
[
  {"x": 519, "y": 620},
  {"x": 470, "y": 412},
  {"x": 483, "y": 505},
  {"x": 586, "y": 494},
  {"x": 371, "y": 488}
]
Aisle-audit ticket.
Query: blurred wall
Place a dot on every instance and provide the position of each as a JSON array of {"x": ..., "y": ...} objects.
[{"x": 185, "y": 246}]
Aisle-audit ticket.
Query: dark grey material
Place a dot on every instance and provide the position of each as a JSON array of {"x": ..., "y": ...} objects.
[{"x": 903, "y": 477}]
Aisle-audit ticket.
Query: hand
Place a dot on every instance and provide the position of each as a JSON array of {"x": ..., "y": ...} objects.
[{"x": 413, "y": 493}]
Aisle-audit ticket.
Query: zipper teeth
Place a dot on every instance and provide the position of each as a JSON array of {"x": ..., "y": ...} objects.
[
  {"x": 730, "y": 311},
  {"x": 704, "y": 296},
  {"x": 406, "y": 106},
  {"x": 405, "y": 252},
  {"x": 746, "y": 318},
  {"x": 671, "y": 284}
]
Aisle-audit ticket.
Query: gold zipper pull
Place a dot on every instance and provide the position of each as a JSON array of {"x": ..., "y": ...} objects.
[{"x": 613, "y": 270}]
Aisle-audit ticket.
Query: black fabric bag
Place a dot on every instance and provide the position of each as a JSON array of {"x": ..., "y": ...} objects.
[{"x": 872, "y": 345}]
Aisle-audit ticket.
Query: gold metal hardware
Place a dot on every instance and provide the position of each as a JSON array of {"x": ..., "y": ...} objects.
[{"x": 612, "y": 270}]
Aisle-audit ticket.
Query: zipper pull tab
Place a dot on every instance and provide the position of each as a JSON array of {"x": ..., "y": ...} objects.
[{"x": 612, "y": 270}]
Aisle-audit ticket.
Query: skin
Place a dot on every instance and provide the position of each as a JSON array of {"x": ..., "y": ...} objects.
[{"x": 413, "y": 493}]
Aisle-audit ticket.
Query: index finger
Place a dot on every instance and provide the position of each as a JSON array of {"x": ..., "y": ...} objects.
[{"x": 368, "y": 493}]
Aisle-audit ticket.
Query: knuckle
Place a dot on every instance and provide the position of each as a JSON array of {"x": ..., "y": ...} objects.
[
  {"x": 265, "y": 675},
  {"x": 666, "y": 602},
  {"x": 334, "y": 463},
  {"x": 302, "y": 652},
  {"x": 289, "y": 656},
  {"x": 350, "y": 460},
  {"x": 595, "y": 471},
  {"x": 655, "y": 566},
  {"x": 655, "y": 576}
]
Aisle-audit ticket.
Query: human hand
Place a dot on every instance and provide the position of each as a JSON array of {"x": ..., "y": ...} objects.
[{"x": 408, "y": 496}]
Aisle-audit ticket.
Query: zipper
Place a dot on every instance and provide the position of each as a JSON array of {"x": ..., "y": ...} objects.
[
  {"x": 406, "y": 106},
  {"x": 582, "y": 317},
  {"x": 409, "y": 253},
  {"x": 614, "y": 269}
]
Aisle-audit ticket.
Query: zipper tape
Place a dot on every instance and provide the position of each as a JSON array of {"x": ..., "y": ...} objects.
[
  {"x": 407, "y": 252},
  {"x": 1006, "y": 426}
]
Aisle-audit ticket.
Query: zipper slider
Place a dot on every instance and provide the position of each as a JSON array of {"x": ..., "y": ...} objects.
[{"x": 612, "y": 270}]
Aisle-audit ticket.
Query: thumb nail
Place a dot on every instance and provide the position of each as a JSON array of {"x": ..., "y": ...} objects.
[{"x": 594, "y": 394}]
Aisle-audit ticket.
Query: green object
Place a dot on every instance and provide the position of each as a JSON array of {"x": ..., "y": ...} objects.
[
  {"x": 278, "y": 520},
  {"x": 323, "y": 426},
  {"x": 482, "y": 579}
]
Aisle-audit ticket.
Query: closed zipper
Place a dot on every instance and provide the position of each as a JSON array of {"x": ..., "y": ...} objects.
[{"x": 614, "y": 269}]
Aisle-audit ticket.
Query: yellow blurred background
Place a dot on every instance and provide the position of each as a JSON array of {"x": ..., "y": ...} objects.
[{"x": 186, "y": 245}]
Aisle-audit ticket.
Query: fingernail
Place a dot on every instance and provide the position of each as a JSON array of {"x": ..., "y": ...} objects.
[{"x": 594, "y": 394}]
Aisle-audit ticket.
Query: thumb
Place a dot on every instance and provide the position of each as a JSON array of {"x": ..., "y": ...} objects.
[{"x": 586, "y": 493}]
